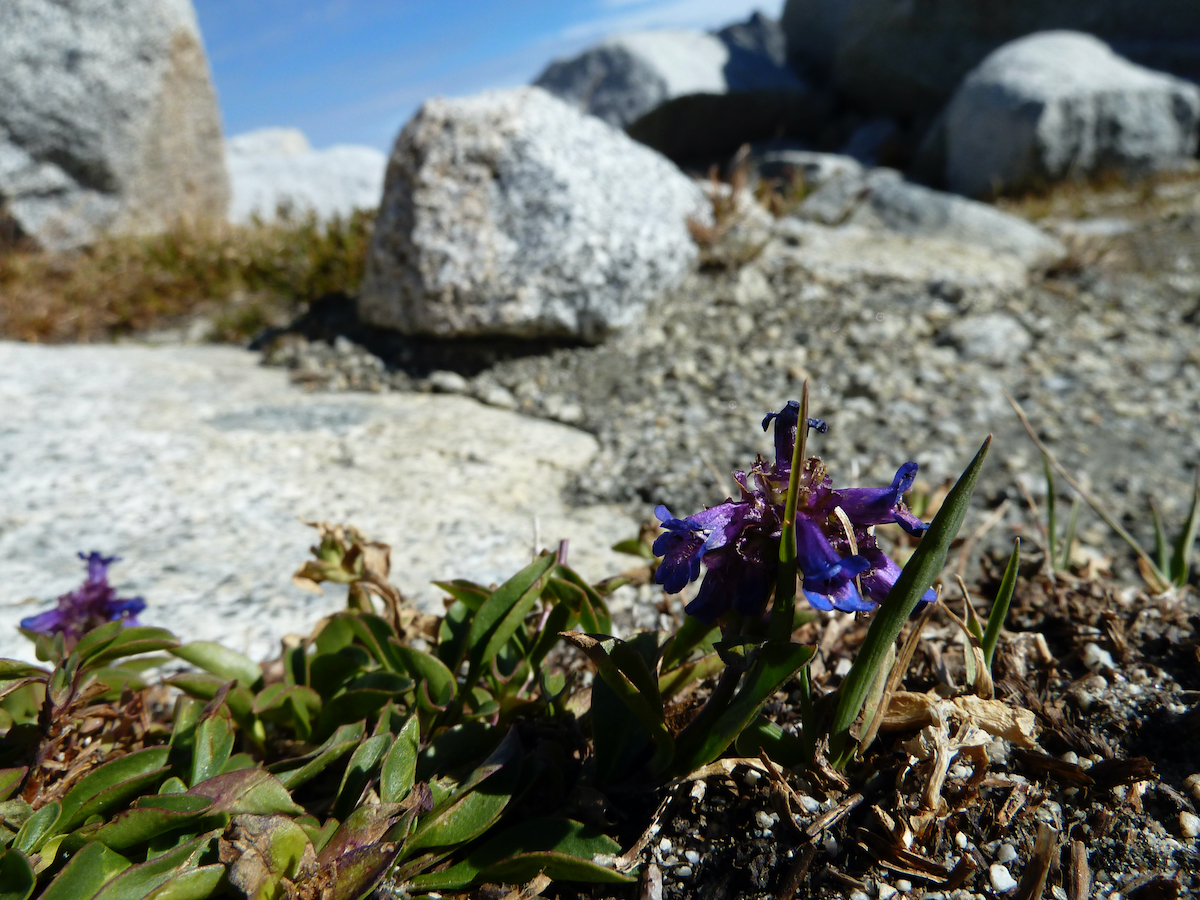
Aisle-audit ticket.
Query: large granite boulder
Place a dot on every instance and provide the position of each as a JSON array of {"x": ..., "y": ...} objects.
[
  {"x": 108, "y": 121},
  {"x": 274, "y": 170},
  {"x": 690, "y": 93},
  {"x": 513, "y": 214},
  {"x": 908, "y": 58},
  {"x": 1061, "y": 103}
]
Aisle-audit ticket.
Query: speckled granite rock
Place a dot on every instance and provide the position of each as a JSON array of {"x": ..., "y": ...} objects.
[{"x": 197, "y": 466}]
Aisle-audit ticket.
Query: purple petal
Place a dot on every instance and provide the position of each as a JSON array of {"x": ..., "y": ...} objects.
[
  {"x": 816, "y": 557},
  {"x": 882, "y": 506},
  {"x": 882, "y": 577},
  {"x": 45, "y": 623}
]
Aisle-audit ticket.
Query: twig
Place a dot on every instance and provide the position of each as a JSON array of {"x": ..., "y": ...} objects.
[{"x": 1037, "y": 521}]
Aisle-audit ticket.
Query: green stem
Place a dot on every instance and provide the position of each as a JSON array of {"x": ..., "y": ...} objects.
[{"x": 783, "y": 611}]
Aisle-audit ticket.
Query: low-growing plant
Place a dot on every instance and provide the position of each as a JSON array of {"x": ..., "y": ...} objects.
[
  {"x": 425, "y": 754},
  {"x": 242, "y": 277}
]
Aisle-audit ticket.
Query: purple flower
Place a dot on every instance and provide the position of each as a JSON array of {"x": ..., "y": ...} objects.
[
  {"x": 91, "y": 605},
  {"x": 738, "y": 541}
]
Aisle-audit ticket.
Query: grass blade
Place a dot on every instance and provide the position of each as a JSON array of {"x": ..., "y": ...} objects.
[
  {"x": 1181, "y": 559},
  {"x": 1000, "y": 608}
]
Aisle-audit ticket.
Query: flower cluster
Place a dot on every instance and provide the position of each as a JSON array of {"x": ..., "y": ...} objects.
[
  {"x": 91, "y": 605},
  {"x": 738, "y": 541}
]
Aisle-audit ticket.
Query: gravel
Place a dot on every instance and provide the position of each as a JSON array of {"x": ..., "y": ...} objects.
[{"x": 1104, "y": 357}]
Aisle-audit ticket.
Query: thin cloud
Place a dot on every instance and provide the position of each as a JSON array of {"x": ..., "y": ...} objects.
[{"x": 641, "y": 15}]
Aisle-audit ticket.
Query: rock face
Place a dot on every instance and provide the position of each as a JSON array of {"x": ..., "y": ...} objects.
[
  {"x": 690, "y": 93},
  {"x": 842, "y": 192},
  {"x": 1061, "y": 103},
  {"x": 274, "y": 169},
  {"x": 512, "y": 214},
  {"x": 108, "y": 121},
  {"x": 197, "y": 466},
  {"x": 905, "y": 58}
]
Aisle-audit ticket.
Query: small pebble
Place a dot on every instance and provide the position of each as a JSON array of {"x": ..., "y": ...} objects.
[
  {"x": 692, "y": 857},
  {"x": 765, "y": 820},
  {"x": 683, "y": 872},
  {"x": 961, "y": 840},
  {"x": 810, "y": 804},
  {"x": 1071, "y": 757},
  {"x": 904, "y": 885},
  {"x": 1192, "y": 783},
  {"x": 1002, "y": 880},
  {"x": 1006, "y": 854},
  {"x": 859, "y": 895},
  {"x": 665, "y": 845},
  {"x": 885, "y": 891},
  {"x": 1095, "y": 657},
  {"x": 751, "y": 777},
  {"x": 831, "y": 845},
  {"x": 1189, "y": 824}
]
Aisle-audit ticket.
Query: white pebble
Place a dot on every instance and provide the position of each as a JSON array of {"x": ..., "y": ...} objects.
[
  {"x": 683, "y": 872},
  {"x": 692, "y": 857},
  {"x": 831, "y": 845},
  {"x": 859, "y": 895},
  {"x": 810, "y": 804},
  {"x": 1006, "y": 854},
  {"x": 885, "y": 891},
  {"x": 1002, "y": 880},
  {"x": 1095, "y": 657},
  {"x": 1189, "y": 824},
  {"x": 1071, "y": 757},
  {"x": 765, "y": 820},
  {"x": 751, "y": 777},
  {"x": 665, "y": 845},
  {"x": 904, "y": 885},
  {"x": 961, "y": 840}
]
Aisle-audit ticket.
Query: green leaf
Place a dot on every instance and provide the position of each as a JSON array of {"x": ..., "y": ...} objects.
[
  {"x": 221, "y": 661},
  {"x": 456, "y": 748},
  {"x": 563, "y": 849},
  {"x": 594, "y": 616},
  {"x": 774, "y": 664},
  {"x": 10, "y": 780},
  {"x": 1162, "y": 555},
  {"x": 452, "y": 635},
  {"x": 503, "y": 612},
  {"x": 375, "y": 634},
  {"x": 1181, "y": 558},
  {"x": 781, "y": 746},
  {"x": 16, "y": 876},
  {"x": 1000, "y": 608},
  {"x": 468, "y": 593},
  {"x": 139, "y": 881},
  {"x": 131, "y": 641},
  {"x": 476, "y": 806},
  {"x": 672, "y": 682},
  {"x": 205, "y": 686},
  {"x": 560, "y": 618},
  {"x": 366, "y": 759},
  {"x": 347, "y": 708},
  {"x": 14, "y": 668},
  {"x": 625, "y": 672},
  {"x": 277, "y": 696},
  {"x": 691, "y": 634},
  {"x": 85, "y": 874},
  {"x": 151, "y": 816},
  {"x": 211, "y": 748},
  {"x": 400, "y": 765},
  {"x": 919, "y": 573},
  {"x": 194, "y": 884},
  {"x": 247, "y": 792},
  {"x": 97, "y": 639},
  {"x": 338, "y": 745},
  {"x": 420, "y": 665},
  {"x": 112, "y": 784}
]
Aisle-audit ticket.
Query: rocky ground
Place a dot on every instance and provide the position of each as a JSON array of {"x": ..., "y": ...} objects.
[{"x": 909, "y": 346}]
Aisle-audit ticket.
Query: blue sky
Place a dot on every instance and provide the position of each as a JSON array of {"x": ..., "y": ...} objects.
[{"x": 354, "y": 71}]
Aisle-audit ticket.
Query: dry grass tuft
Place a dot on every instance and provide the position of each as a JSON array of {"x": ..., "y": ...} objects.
[{"x": 241, "y": 277}]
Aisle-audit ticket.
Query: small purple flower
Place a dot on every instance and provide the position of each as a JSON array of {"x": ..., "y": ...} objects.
[
  {"x": 738, "y": 541},
  {"x": 90, "y": 606}
]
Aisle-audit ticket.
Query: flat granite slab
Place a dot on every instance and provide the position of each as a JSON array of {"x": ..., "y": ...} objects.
[{"x": 197, "y": 466}]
